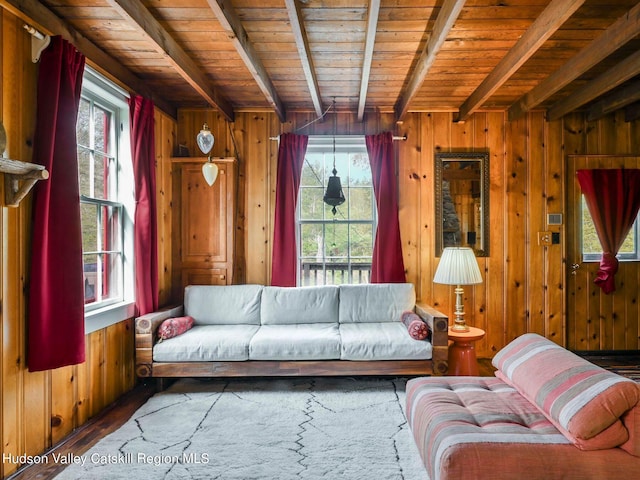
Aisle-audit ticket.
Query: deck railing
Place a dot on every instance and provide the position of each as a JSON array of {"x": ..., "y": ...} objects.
[{"x": 334, "y": 273}]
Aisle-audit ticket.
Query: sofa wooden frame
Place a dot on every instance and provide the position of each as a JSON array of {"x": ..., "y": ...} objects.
[{"x": 146, "y": 337}]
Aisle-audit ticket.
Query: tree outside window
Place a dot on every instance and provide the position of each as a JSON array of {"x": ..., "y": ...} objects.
[
  {"x": 101, "y": 213},
  {"x": 591, "y": 249},
  {"x": 336, "y": 249}
]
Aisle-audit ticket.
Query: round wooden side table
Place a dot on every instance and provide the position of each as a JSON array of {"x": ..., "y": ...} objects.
[{"x": 462, "y": 354}]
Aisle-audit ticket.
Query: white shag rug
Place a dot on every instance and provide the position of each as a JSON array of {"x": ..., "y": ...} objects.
[{"x": 262, "y": 429}]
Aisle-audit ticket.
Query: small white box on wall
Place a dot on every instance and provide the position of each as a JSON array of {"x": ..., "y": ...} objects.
[{"x": 554, "y": 219}]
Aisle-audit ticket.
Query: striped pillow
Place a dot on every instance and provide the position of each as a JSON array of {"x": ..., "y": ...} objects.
[{"x": 585, "y": 402}]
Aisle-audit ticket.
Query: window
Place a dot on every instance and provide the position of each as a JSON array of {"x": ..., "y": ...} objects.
[
  {"x": 591, "y": 248},
  {"x": 336, "y": 249},
  {"x": 105, "y": 177}
]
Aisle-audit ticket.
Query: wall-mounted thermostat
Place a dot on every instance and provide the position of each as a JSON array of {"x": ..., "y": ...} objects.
[{"x": 554, "y": 219}]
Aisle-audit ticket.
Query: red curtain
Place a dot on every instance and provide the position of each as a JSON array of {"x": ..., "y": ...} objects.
[
  {"x": 290, "y": 159},
  {"x": 387, "y": 265},
  {"x": 141, "y": 114},
  {"x": 56, "y": 293},
  {"x": 613, "y": 199}
]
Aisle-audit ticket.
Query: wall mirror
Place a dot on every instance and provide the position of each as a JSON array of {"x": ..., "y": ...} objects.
[{"x": 462, "y": 201}]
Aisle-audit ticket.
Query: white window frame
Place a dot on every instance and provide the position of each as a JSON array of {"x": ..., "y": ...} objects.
[
  {"x": 325, "y": 144},
  {"x": 108, "y": 95}
]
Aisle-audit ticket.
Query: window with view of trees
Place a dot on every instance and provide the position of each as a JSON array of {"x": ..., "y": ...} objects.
[
  {"x": 336, "y": 249},
  {"x": 102, "y": 213},
  {"x": 591, "y": 249}
]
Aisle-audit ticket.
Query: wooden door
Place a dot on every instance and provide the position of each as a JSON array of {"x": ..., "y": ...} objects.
[
  {"x": 202, "y": 225},
  {"x": 596, "y": 321}
]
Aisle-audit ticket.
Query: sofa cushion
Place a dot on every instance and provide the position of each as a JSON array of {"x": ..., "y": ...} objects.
[
  {"x": 305, "y": 341},
  {"x": 375, "y": 302},
  {"x": 223, "y": 304},
  {"x": 381, "y": 341},
  {"x": 583, "y": 400},
  {"x": 286, "y": 305},
  {"x": 207, "y": 343},
  {"x": 481, "y": 427}
]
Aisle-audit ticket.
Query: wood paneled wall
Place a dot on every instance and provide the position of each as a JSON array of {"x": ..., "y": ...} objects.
[
  {"x": 522, "y": 290},
  {"x": 39, "y": 409},
  {"x": 524, "y": 287},
  {"x": 165, "y": 137}
]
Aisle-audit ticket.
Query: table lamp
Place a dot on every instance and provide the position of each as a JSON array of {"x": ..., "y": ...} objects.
[{"x": 458, "y": 266}]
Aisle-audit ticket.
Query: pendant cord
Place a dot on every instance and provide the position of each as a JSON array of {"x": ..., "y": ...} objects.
[
  {"x": 335, "y": 130},
  {"x": 324, "y": 114}
]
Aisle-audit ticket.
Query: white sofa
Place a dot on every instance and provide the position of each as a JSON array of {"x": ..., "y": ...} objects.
[{"x": 327, "y": 330}]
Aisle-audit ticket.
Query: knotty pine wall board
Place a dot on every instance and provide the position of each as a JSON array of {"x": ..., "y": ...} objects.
[{"x": 524, "y": 288}]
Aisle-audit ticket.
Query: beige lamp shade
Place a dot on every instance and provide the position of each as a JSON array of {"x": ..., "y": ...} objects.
[{"x": 458, "y": 266}]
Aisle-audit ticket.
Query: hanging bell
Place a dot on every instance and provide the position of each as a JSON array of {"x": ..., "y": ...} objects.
[{"x": 334, "y": 196}]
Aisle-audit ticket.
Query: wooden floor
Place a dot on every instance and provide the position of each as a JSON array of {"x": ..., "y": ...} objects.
[
  {"x": 89, "y": 434},
  {"x": 115, "y": 416}
]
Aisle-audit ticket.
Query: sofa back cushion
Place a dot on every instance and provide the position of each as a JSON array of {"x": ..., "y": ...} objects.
[
  {"x": 223, "y": 304},
  {"x": 584, "y": 401},
  {"x": 375, "y": 302},
  {"x": 294, "y": 305}
]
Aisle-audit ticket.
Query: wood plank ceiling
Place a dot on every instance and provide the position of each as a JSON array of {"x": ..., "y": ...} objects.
[{"x": 367, "y": 55}]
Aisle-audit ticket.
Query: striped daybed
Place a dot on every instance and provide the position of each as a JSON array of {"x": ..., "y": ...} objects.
[{"x": 549, "y": 414}]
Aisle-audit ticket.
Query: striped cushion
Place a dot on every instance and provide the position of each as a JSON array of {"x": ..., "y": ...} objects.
[
  {"x": 482, "y": 428},
  {"x": 460, "y": 422},
  {"x": 585, "y": 402}
]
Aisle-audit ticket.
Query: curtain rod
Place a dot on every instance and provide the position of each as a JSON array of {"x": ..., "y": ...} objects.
[
  {"x": 33, "y": 31},
  {"x": 395, "y": 137},
  {"x": 39, "y": 41}
]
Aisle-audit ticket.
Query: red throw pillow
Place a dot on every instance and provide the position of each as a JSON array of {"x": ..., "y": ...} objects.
[
  {"x": 172, "y": 327},
  {"x": 415, "y": 326}
]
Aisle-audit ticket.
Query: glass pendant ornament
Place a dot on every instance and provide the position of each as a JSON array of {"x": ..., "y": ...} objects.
[
  {"x": 210, "y": 172},
  {"x": 205, "y": 139},
  {"x": 205, "y": 144}
]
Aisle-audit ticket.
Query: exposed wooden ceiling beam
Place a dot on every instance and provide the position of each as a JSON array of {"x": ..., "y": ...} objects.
[
  {"x": 140, "y": 17},
  {"x": 34, "y": 11},
  {"x": 446, "y": 18},
  {"x": 238, "y": 36},
  {"x": 370, "y": 40},
  {"x": 300, "y": 35},
  {"x": 623, "y": 71},
  {"x": 620, "y": 32},
  {"x": 619, "y": 99},
  {"x": 552, "y": 18}
]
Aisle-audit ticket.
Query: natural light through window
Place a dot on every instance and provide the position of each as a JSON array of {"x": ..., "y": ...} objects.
[
  {"x": 591, "y": 249},
  {"x": 336, "y": 249},
  {"x": 100, "y": 129}
]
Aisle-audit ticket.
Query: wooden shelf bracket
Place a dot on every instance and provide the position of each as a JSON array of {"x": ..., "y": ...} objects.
[{"x": 19, "y": 178}]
